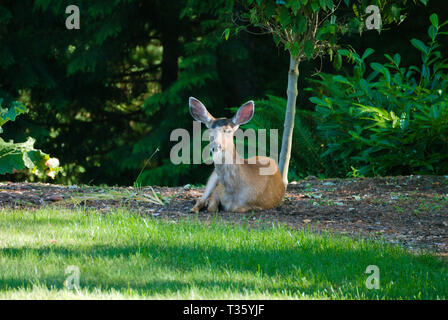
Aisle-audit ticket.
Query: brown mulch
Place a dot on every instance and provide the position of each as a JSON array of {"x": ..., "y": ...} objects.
[{"x": 411, "y": 211}]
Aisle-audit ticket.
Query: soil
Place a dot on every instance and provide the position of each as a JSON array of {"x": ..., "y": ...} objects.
[{"x": 411, "y": 211}]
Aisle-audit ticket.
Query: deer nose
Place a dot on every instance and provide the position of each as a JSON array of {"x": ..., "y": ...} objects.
[{"x": 216, "y": 148}]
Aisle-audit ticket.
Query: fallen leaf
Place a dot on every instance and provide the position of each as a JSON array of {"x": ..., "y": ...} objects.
[{"x": 54, "y": 198}]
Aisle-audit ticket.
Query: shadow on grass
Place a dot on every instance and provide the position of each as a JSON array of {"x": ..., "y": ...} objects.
[{"x": 309, "y": 269}]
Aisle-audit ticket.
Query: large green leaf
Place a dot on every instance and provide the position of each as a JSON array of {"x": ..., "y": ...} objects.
[
  {"x": 17, "y": 156},
  {"x": 11, "y": 113}
]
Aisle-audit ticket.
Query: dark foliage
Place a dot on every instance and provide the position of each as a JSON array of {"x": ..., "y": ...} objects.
[{"x": 104, "y": 99}]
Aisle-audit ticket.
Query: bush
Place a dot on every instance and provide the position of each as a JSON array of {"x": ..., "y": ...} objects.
[
  {"x": 17, "y": 156},
  {"x": 393, "y": 121},
  {"x": 306, "y": 148}
]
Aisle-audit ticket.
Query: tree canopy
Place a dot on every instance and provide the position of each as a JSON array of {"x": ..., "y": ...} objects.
[{"x": 104, "y": 98}]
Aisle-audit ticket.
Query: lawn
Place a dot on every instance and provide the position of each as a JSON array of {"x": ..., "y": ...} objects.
[{"x": 122, "y": 255}]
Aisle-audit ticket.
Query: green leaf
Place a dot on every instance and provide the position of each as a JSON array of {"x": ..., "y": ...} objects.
[
  {"x": 420, "y": 45},
  {"x": 432, "y": 32},
  {"x": 434, "y": 20},
  {"x": 434, "y": 112},
  {"x": 322, "y": 4},
  {"x": 295, "y": 49},
  {"x": 377, "y": 67},
  {"x": 364, "y": 85},
  {"x": 300, "y": 22},
  {"x": 309, "y": 49},
  {"x": 367, "y": 53},
  {"x": 357, "y": 72},
  {"x": 344, "y": 52},
  {"x": 226, "y": 33},
  {"x": 341, "y": 79},
  {"x": 318, "y": 101},
  {"x": 285, "y": 18},
  {"x": 11, "y": 113},
  {"x": 295, "y": 6},
  {"x": 355, "y": 10},
  {"x": 17, "y": 156},
  {"x": 337, "y": 63},
  {"x": 397, "y": 59}
]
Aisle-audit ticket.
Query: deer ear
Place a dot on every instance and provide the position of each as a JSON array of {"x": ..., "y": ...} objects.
[
  {"x": 199, "y": 112},
  {"x": 244, "y": 113}
]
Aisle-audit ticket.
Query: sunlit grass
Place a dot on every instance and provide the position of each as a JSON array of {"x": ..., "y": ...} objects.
[
  {"x": 126, "y": 256},
  {"x": 134, "y": 194}
]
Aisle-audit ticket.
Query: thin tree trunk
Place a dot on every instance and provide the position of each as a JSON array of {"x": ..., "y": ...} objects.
[{"x": 285, "y": 153}]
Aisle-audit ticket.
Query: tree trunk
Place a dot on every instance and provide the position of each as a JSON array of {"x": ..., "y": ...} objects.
[{"x": 285, "y": 153}]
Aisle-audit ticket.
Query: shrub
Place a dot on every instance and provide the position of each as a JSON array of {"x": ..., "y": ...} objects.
[
  {"x": 394, "y": 120},
  {"x": 17, "y": 156}
]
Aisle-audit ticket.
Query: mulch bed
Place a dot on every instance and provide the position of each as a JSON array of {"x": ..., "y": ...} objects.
[{"x": 411, "y": 211}]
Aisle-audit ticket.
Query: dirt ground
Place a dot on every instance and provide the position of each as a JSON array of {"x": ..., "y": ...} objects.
[{"x": 411, "y": 211}]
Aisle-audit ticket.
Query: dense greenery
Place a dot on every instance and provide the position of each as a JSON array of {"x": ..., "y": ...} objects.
[
  {"x": 124, "y": 255},
  {"x": 308, "y": 29},
  {"x": 393, "y": 120},
  {"x": 104, "y": 99}
]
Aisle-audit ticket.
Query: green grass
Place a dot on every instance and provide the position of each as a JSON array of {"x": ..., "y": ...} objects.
[{"x": 124, "y": 255}]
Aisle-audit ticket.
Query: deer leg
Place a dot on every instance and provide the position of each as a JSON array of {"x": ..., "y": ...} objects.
[
  {"x": 211, "y": 184},
  {"x": 215, "y": 198},
  {"x": 241, "y": 209}
]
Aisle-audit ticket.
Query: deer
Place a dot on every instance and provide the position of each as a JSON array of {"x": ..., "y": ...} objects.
[{"x": 236, "y": 184}]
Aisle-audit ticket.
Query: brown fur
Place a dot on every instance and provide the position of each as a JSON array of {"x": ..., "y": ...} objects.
[
  {"x": 236, "y": 185},
  {"x": 241, "y": 187}
]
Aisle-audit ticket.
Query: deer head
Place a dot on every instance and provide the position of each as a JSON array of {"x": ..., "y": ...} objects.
[{"x": 221, "y": 130}]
